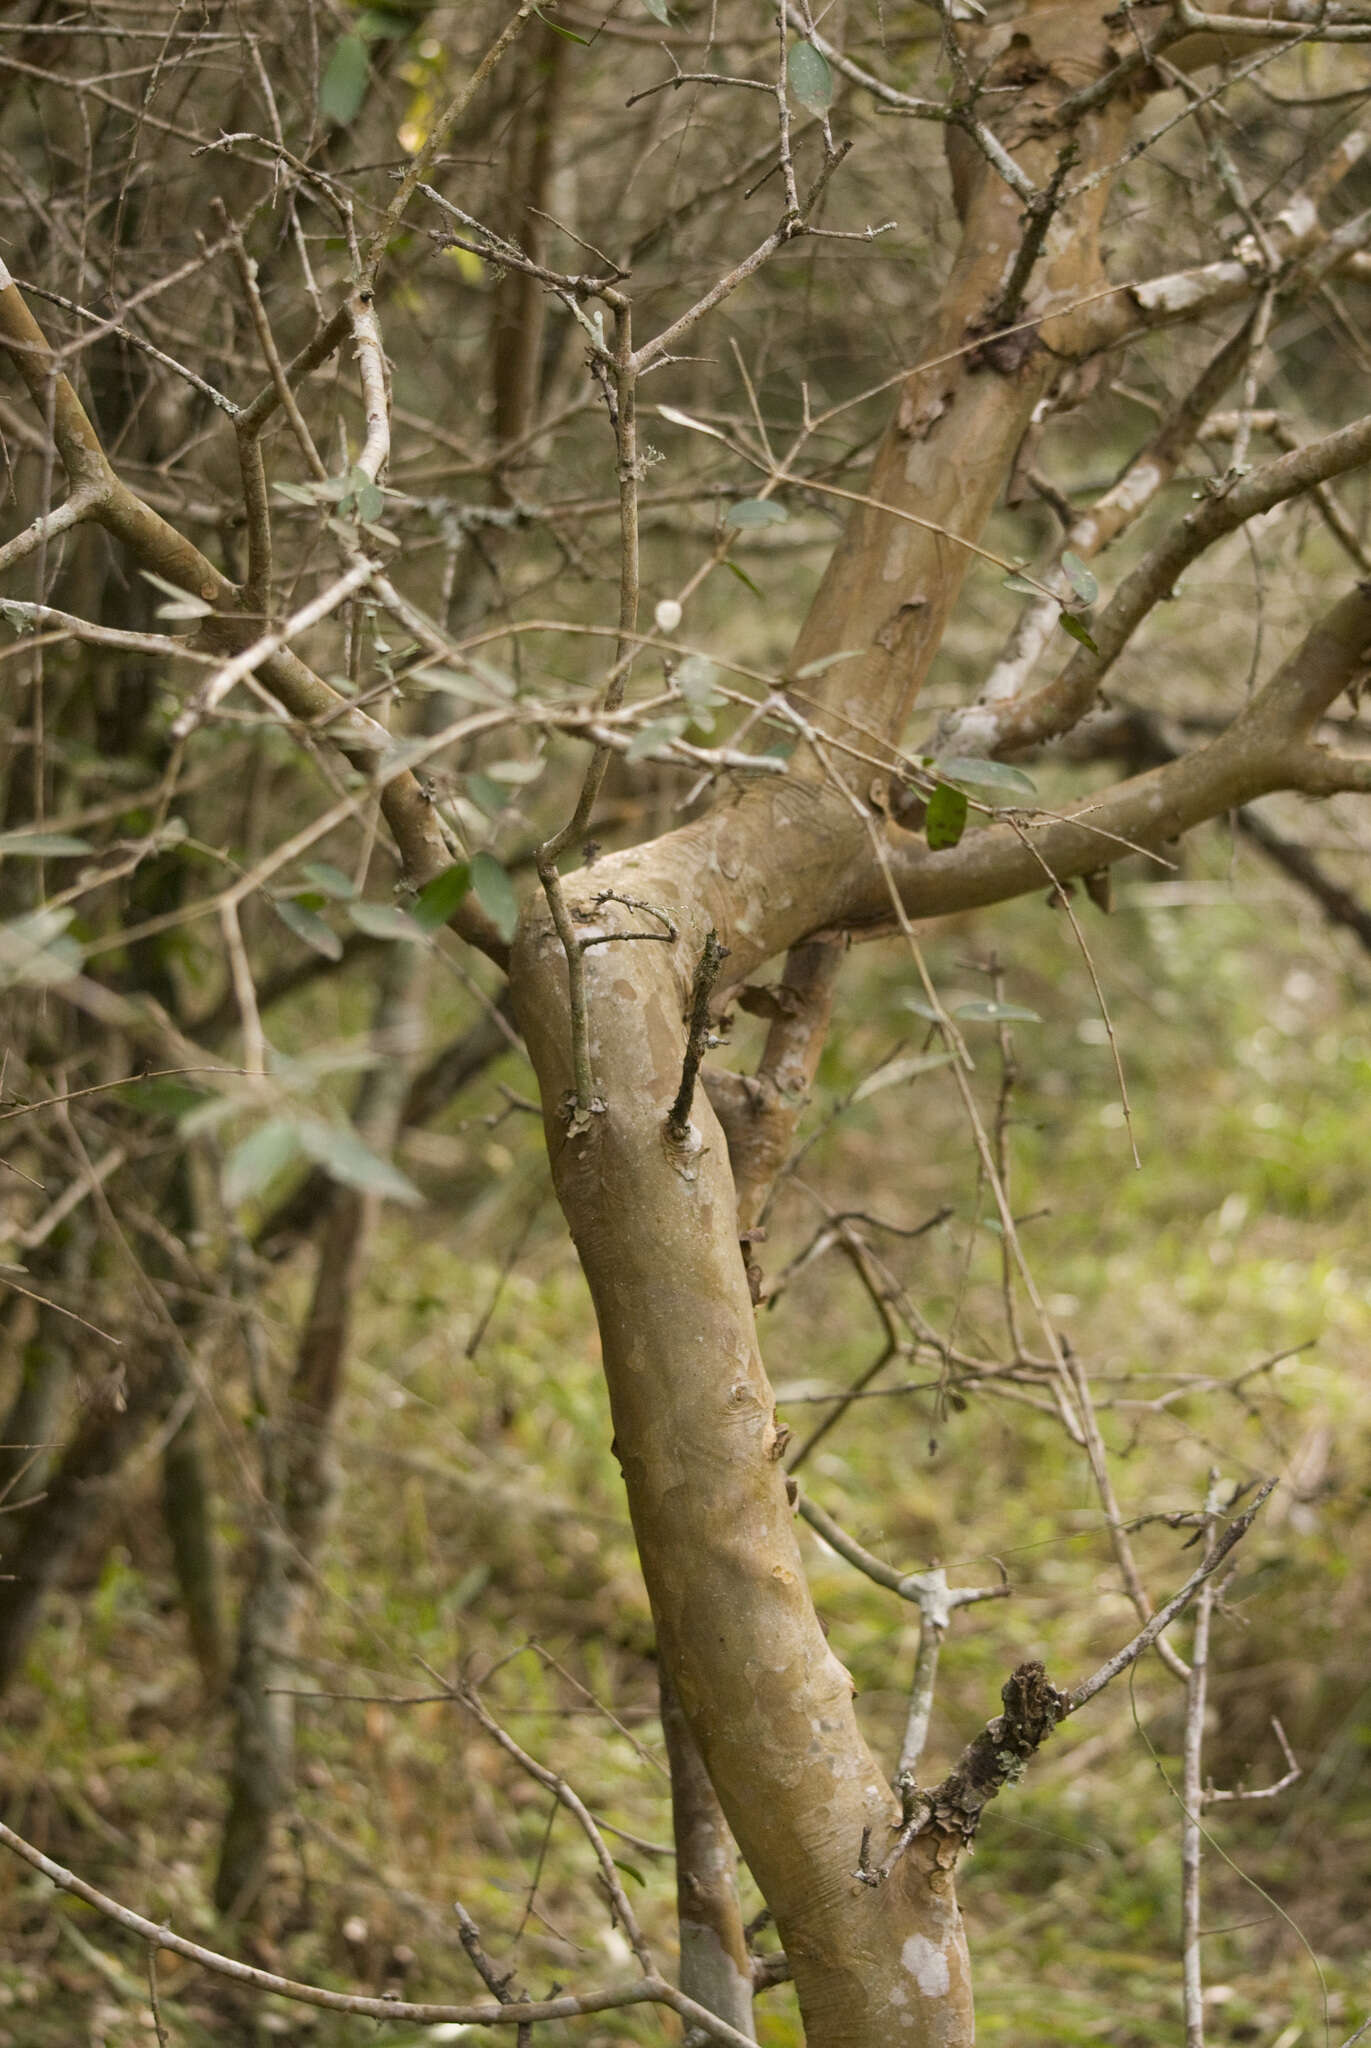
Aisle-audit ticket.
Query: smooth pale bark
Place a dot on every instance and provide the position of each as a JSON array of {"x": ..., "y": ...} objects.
[
  {"x": 890, "y": 585},
  {"x": 715, "y": 1969}
]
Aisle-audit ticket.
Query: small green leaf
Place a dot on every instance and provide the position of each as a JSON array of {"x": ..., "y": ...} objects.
[
  {"x": 344, "y": 1157},
  {"x": 1076, "y": 630},
  {"x": 945, "y": 819},
  {"x": 1081, "y": 579},
  {"x": 1022, "y": 586},
  {"x": 297, "y": 917},
  {"x": 896, "y": 1072},
  {"x": 990, "y": 781},
  {"x": 440, "y": 897},
  {"x": 495, "y": 893},
  {"x": 330, "y": 879},
  {"x": 695, "y": 681},
  {"x": 383, "y": 921},
  {"x": 486, "y": 795},
  {"x": 41, "y": 845},
  {"x": 367, "y": 496},
  {"x": 996, "y": 1013},
  {"x": 650, "y": 737},
  {"x": 921, "y": 1008},
  {"x": 378, "y": 23},
  {"x": 184, "y": 604},
  {"x": 213, "y": 1111},
  {"x": 451, "y": 682},
  {"x": 163, "y": 1096},
  {"x": 826, "y": 661},
  {"x": 569, "y": 33},
  {"x": 744, "y": 579},
  {"x": 631, "y": 1869},
  {"x": 659, "y": 12},
  {"x": 253, "y": 1165},
  {"x": 343, "y": 86},
  {"x": 811, "y": 81},
  {"x": 298, "y": 494},
  {"x": 756, "y": 512},
  {"x": 685, "y": 419},
  {"x": 37, "y": 951}
]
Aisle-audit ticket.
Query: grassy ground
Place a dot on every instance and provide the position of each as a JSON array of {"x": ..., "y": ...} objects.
[{"x": 482, "y": 1512}]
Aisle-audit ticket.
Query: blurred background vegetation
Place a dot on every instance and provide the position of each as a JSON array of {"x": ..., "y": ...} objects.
[{"x": 1219, "y": 1295}]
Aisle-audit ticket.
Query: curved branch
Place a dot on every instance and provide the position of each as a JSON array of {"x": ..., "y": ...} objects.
[
  {"x": 1058, "y": 705},
  {"x": 649, "y": 1990},
  {"x": 159, "y": 547}
]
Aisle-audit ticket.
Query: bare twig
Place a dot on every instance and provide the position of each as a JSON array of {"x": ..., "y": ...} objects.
[
  {"x": 1081, "y": 1694},
  {"x": 707, "y": 968},
  {"x": 649, "y": 1989}
]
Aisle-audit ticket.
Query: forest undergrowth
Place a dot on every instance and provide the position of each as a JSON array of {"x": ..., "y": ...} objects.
[{"x": 1220, "y": 1299}]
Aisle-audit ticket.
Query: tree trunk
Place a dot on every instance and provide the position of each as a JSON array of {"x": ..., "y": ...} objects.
[
  {"x": 51, "y": 1528},
  {"x": 716, "y": 1970},
  {"x": 656, "y": 1218},
  {"x": 299, "y": 1481},
  {"x": 188, "y": 1515}
]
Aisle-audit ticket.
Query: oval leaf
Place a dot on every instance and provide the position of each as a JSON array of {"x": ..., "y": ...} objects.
[
  {"x": 440, "y": 897},
  {"x": 343, "y": 86},
  {"x": 309, "y": 927},
  {"x": 41, "y": 845},
  {"x": 996, "y": 1013},
  {"x": 252, "y": 1166},
  {"x": 383, "y": 921},
  {"x": 649, "y": 738},
  {"x": 899, "y": 1071},
  {"x": 37, "y": 951},
  {"x": 344, "y": 1157},
  {"x": 685, "y": 419},
  {"x": 756, "y": 512},
  {"x": 1074, "y": 628},
  {"x": 495, "y": 893},
  {"x": 331, "y": 880},
  {"x": 990, "y": 781},
  {"x": 184, "y": 604},
  {"x": 658, "y": 10},
  {"x": 1081, "y": 579},
  {"x": 1021, "y": 586},
  {"x": 945, "y": 819},
  {"x": 811, "y": 81},
  {"x": 695, "y": 681},
  {"x": 744, "y": 579},
  {"x": 826, "y": 661}
]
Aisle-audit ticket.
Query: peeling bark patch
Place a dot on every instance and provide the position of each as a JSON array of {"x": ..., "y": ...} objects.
[
  {"x": 927, "y": 1965},
  {"x": 891, "y": 632}
]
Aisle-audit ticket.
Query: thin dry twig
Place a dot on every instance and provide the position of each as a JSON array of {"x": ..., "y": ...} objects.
[{"x": 649, "y": 1989}]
